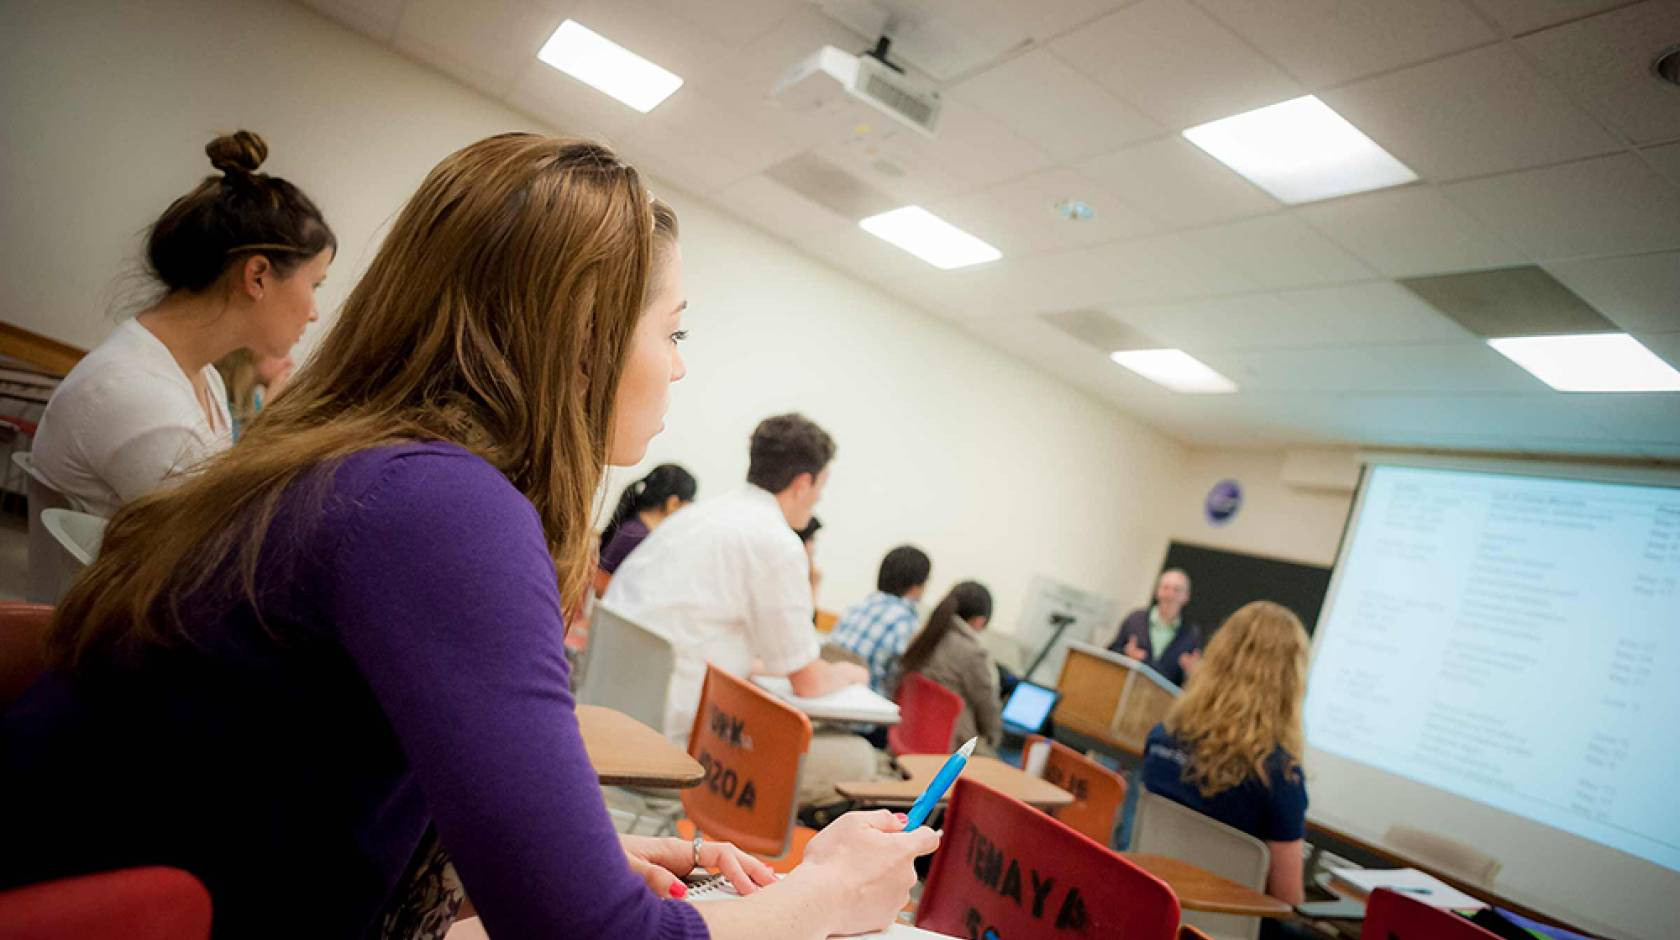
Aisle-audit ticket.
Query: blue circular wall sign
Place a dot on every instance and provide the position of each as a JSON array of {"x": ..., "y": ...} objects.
[{"x": 1223, "y": 501}]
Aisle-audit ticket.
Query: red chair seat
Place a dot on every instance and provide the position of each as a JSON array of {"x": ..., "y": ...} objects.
[{"x": 153, "y": 903}]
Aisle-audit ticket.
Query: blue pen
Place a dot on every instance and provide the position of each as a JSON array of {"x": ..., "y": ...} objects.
[{"x": 935, "y": 791}]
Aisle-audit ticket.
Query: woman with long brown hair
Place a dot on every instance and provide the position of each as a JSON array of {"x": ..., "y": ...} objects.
[
  {"x": 326, "y": 673},
  {"x": 1231, "y": 746}
]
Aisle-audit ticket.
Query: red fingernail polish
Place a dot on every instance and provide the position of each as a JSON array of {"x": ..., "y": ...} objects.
[{"x": 679, "y": 891}]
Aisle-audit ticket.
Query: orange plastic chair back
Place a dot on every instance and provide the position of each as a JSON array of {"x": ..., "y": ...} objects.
[
  {"x": 1390, "y": 915},
  {"x": 927, "y": 717},
  {"x": 1187, "y": 932},
  {"x": 752, "y": 747},
  {"x": 151, "y": 903},
  {"x": 23, "y": 654},
  {"x": 1098, "y": 793},
  {"x": 1006, "y": 868}
]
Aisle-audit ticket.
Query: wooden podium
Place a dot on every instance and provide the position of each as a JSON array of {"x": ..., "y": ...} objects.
[{"x": 1111, "y": 698}]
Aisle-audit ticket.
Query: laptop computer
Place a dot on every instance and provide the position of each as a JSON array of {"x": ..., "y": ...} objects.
[{"x": 1028, "y": 708}]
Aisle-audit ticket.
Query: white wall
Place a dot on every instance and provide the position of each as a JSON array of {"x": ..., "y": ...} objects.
[
  {"x": 999, "y": 471},
  {"x": 1278, "y": 519}
]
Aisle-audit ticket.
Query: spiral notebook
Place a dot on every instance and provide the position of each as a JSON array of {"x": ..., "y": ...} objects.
[{"x": 718, "y": 888}]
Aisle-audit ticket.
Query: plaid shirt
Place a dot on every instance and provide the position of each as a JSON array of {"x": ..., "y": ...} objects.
[{"x": 877, "y": 628}]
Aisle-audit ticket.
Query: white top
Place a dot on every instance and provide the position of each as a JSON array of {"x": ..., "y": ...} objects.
[
  {"x": 727, "y": 581},
  {"x": 125, "y": 418}
]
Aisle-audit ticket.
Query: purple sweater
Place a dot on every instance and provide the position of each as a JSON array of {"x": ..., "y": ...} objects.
[{"x": 414, "y": 676}]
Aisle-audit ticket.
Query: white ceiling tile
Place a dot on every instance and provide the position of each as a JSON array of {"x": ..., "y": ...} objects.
[
  {"x": 1666, "y": 159},
  {"x": 1483, "y": 111},
  {"x": 1046, "y": 101},
  {"x": 376, "y": 18},
  {"x": 1644, "y": 417},
  {"x": 1242, "y": 321},
  {"x": 777, "y": 208},
  {"x": 1020, "y": 217},
  {"x": 866, "y": 257},
  {"x": 1161, "y": 268},
  {"x": 1666, "y": 345},
  {"x": 1455, "y": 369},
  {"x": 1176, "y": 63},
  {"x": 1456, "y": 419},
  {"x": 1522, "y": 16},
  {"x": 1177, "y": 183},
  {"x": 1327, "y": 42},
  {"x": 979, "y": 149},
  {"x": 1410, "y": 230},
  {"x": 692, "y": 125},
  {"x": 1608, "y": 206},
  {"x": 654, "y": 34},
  {"x": 734, "y": 23},
  {"x": 1605, "y": 62},
  {"x": 570, "y": 106},
  {"x": 1373, "y": 313},
  {"x": 1638, "y": 293},
  {"x": 1280, "y": 250},
  {"x": 486, "y": 43},
  {"x": 970, "y": 152},
  {"x": 1017, "y": 287},
  {"x": 1369, "y": 314}
]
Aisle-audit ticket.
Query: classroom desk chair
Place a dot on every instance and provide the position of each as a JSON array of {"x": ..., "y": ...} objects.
[
  {"x": 1098, "y": 793},
  {"x": 1005, "y": 868},
  {"x": 752, "y": 747},
  {"x": 23, "y": 654},
  {"x": 1167, "y": 828},
  {"x": 1390, "y": 915},
  {"x": 928, "y": 715},
  {"x": 152, "y": 903}
]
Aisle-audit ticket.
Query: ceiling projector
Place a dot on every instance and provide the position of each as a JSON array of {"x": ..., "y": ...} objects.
[{"x": 829, "y": 78}]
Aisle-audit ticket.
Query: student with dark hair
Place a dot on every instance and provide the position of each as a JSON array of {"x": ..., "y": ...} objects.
[
  {"x": 877, "y": 629},
  {"x": 642, "y": 506},
  {"x": 332, "y": 661},
  {"x": 238, "y": 260},
  {"x": 728, "y": 582},
  {"x": 948, "y": 651}
]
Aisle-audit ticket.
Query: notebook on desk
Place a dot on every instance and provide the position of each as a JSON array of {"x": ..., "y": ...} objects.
[
  {"x": 852, "y": 703},
  {"x": 718, "y": 888},
  {"x": 1417, "y": 885}
]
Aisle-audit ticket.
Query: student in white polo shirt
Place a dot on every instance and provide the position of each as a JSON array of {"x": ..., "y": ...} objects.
[{"x": 728, "y": 581}]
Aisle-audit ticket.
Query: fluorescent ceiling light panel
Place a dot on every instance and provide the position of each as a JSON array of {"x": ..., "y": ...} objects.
[
  {"x": 608, "y": 67},
  {"x": 1300, "y": 151},
  {"x": 1176, "y": 369},
  {"x": 929, "y": 238},
  {"x": 1591, "y": 362}
]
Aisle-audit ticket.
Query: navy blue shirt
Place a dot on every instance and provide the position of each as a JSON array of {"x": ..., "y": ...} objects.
[{"x": 1275, "y": 813}]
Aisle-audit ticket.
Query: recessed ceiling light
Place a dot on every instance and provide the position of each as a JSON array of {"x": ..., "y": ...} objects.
[
  {"x": 1300, "y": 151},
  {"x": 608, "y": 67},
  {"x": 1176, "y": 369},
  {"x": 1591, "y": 362},
  {"x": 929, "y": 238}
]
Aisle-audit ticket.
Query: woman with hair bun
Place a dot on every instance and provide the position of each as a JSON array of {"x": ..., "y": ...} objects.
[{"x": 238, "y": 261}]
